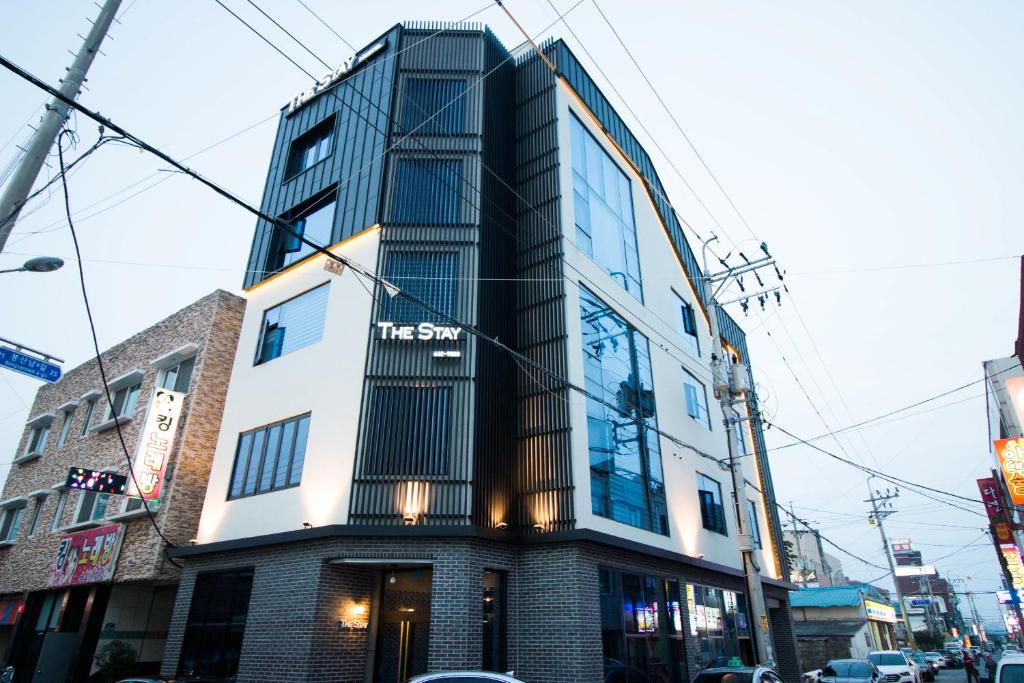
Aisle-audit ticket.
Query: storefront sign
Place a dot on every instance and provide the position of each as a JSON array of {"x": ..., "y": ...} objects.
[
  {"x": 877, "y": 611},
  {"x": 86, "y": 556},
  {"x": 1011, "y": 553},
  {"x": 1006, "y": 597},
  {"x": 1003, "y": 532},
  {"x": 926, "y": 570},
  {"x": 156, "y": 443},
  {"x": 691, "y": 608},
  {"x": 418, "y": 332},
  {"x": 1010, "y": 453},
  {"x": 900, "y": 544},
  {"x": 1015, "y": 387},
  {"x": 332, "y": 77},
  {"x": 990, "y": 496},
  {"x": 93, "y": 480}
]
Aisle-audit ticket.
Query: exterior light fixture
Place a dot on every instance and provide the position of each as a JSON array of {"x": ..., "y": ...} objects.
[
  {"x": 700, "y": 556},
  {"x": 39, "y": 264},
  {"x": 392, "y": 579},
  {"x": 307, "y": 525},
  {"x": 193, "y": 541},
  {"x": 538, "y": 527},
  {"x": 410, "y": 518},
  {"x": 502, "y": 525}
]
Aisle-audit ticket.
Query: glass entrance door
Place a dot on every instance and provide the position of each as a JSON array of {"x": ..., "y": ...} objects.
[{"x": 403, "y": 636}]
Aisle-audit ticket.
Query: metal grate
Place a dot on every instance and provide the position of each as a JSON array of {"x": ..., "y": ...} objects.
[
  {"x": 427, "y": 191},
  {"x": 437, "y": 104},
  {"x": 407, "y": 431},
  {"x": 426, "y": 275}
]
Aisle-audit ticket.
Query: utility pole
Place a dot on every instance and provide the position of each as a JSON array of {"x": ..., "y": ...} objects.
[
  {"x": 731, "y": 388},
  {"x": 977, "y": 621},
  {"x": 20, "y": 184},
  {"x": 878, "y": 514}
]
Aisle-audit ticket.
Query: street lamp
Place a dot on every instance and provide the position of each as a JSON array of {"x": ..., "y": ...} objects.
[{"x": 39, "y": 264}]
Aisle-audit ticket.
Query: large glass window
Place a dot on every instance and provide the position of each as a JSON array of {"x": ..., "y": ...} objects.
[
  {"x": 92, "y": 507},
  {"x": 626, "y": 479},
  {"x": 407, "y": 431},
  {"x": 427, "y": 191},
  {"x": 311, "y": 147},
  {"x": 430, "y": 276},
  {"x": 293, "y": 325},
  {"x": 434, "y": 106},
  {"x": 603, "y": 205},
  {"x": 696, "y": 399},
  {"x": 712, "y": 510},
  {"x": 216, "y": 623},
  {"x": 270, "y": 457},
  {"x": 315, "y": 223}
]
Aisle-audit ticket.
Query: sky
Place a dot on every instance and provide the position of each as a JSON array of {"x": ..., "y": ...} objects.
[{"x": 875, "y": 147}]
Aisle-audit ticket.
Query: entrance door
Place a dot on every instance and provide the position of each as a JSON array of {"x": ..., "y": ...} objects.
[
  {"x": 56, "y": 657},
  {"x": 403, "y": 634}
]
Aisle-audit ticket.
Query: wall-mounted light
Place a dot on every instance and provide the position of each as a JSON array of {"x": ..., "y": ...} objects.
[
  {"x": 410, "y": 518},
  {"x": 502, "y": 525},
  {"x": 193, "y": 541},
  {"x": 700, "y": 556},
  {"x": 307, "y": 525},
  {"x": 392, "y": 579},
  {"x": 538, "y": 527}
]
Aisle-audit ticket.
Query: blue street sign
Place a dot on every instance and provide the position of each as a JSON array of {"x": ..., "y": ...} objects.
[{"x": 29, "y": 365}]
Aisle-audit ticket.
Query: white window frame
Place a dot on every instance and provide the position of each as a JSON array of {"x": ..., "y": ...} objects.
[
  {"x": 176, "y": 367},
  {"x": 65, "y": 427},
  {"x": 701, "y": 391},
  {"x": 62, "y": 503},
  {"x": 691, "y": 341},
  {"x": 37, "y": 439},
  {"x": 78, "y": 522},
  {"x": 90, "y": 411},
  {"x": 131, "y": 396},
  {"x": 125, "y": 382},
  {"x": 37, "y": 513},
  {"x": 15, "y": 510}
]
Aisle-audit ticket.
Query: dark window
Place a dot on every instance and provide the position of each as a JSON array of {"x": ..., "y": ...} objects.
[
  {"x": 494, "y": 621},
  {"x": 724, "y": 677},
  {"x": 293, "y": 325},
  {"x": 755, "y": 529},
  {"x": 407, "y": 431},
  {"x": 427, "y": 192},
  {"x": 429, "y": 276},
  {"x": 11, "y": 520},
  {"x": 311, "y": 147},
  {"x": 841, "y": 667},
  {"x": 125, "y": 400},
  {"x": 90, "y": 406},
  {"x": 216, "y": 623},
  {"x": 688, "y": 325},
  {"x": 315, "y": 223},
  {"x": 434, "y": 106},
  {"x": 65, "y": 427},
  {"x": 178, "y": 376},
  {"x": 34, "y": 524},
  {"x": 92, "y": 507},
  {"x": 270, "y": 457},
  {"x": 696, "y": 400},
  {"x": 626, "y": 479},
  {"x": 712, "y": 511},
  {"x": 603, "y": 207},
  {"x": 37, "y": 439},
  {"x": 883, "y": 659},
  {"x": 1011, "y": 673}
]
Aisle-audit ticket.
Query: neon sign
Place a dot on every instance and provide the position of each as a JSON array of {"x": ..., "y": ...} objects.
[
  {"x": 1011, "y": 458},
  {"x": 93, "y": 480}
]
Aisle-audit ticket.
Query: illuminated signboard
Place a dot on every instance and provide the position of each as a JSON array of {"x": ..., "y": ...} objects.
[
  {"x": 1011, "y": 458},
  {"x": 332, "y": 77},
  {"x": 900, "y": 544},
  {"x": 1011, "y": 553},
  {"x": 418, "y": 332},
  {"x": 644, "y": 619},
  {"x": 1015, "y": 387},
  {"x": 86, "y": 556},
  {"x": 877, "y": 611},
  {"x": 990, "y": 496},
  {"x": 926, "y": 570},
  {"x": 93, "y": 480},
  {"x": 155, "y": 444},
  {"x": 691, "y": 607},
  {"x": 1006, "y": 597}
]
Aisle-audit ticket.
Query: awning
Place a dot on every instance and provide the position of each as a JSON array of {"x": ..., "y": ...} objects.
[{"x": 11, "y": 607}]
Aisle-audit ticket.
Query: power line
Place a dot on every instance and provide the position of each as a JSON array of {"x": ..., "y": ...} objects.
[{"x": 96, "y": 345}]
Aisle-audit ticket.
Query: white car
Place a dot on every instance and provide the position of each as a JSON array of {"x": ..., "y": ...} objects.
[
  {"x": 895, "y": 666},
  {"x": 1010, "y": 668}
]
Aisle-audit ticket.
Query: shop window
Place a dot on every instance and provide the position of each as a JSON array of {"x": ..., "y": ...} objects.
[
  {"x": 270, "y": 458},
  {"x": 311, "y": 147},
  {"x": 90, "y": 407},
  {"x": 37, "y": 439},
  {"x": 427, "y": 192},
  {"x": 718, "y": 625},
  {"x": 434, "y": 106},
  {"x": 124, "y": 401},
  {"x": 696, "y": 400},
  {"x": 10, "y": 523},
  {"x": 407, "y": 431},
  {"x": 755, "y": 529},
  {"x": 494, "y": 621},
  {"x": 92, "y": 507},
  {"x": 313, "y": 221},
  {"x": 429, "y": 276},
  {"x": 65, "y": 427},
  {"x": 603, "y": 207},
  {"x": 626, "y": 479},
  {"x": 292, "y": 325},
  {"x": 216, "y": 623},
  {"x": 178, "y": 376},
  {"x": 712, "y": 510}
]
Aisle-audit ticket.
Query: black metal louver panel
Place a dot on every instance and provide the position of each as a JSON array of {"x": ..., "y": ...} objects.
[{"x": 407, "y": 432}]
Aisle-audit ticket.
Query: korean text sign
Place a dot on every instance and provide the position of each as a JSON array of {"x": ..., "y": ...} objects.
[
  {"x": 86, "y": 556},
  {"x": 1011, "y": 458},
  {"x": 155, "y": 444}
]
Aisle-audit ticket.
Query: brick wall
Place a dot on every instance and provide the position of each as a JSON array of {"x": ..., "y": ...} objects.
[
  {"x": 787, "y": 658},
  {"x": 211, "y": 323},
  {"x": 814, "y": 652}
]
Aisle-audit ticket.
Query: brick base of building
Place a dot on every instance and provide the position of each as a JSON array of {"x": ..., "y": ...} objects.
[{"x": 309, "y": 597}]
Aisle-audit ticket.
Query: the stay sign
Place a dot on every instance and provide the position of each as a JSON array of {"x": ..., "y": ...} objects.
[{"x": 418, "y": 332}]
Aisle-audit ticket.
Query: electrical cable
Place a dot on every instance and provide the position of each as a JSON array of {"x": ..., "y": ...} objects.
[{"x": 99, "y": 354}]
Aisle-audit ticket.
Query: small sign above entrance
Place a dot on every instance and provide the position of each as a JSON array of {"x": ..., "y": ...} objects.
[{"x": 418, "y": 332}]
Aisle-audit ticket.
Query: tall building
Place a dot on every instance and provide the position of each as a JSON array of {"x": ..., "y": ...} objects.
[
  {"x": 392, "y": 492},
  {"x": 81, "y": 569}
]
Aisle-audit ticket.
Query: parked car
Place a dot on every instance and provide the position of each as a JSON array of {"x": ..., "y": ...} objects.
[
  {"x": 737, "y": 674},
  {"x": 938, "y": 658},
  {"x": 849, "y": 671},
  {"x": 1010, "y": 668},
  {"x": 464, "y": 677},
  {"x": 895, "y": 665},
  {"x": 957, "y": 657},
  {"x": 925, "y": 667}
]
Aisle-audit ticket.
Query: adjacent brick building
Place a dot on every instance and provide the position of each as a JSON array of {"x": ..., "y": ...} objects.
[{"x": 60, "y": 627}]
